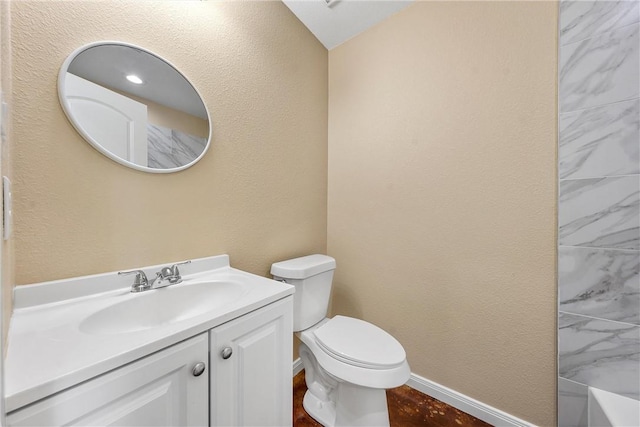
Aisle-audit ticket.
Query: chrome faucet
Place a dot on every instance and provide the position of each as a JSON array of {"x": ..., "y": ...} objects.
[
  {"x": 140, "y": 282},
  {"x": 167, "y": 276}
]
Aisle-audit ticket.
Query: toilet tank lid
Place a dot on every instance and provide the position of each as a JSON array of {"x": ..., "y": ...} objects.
[{"x": 303, "y": 267}]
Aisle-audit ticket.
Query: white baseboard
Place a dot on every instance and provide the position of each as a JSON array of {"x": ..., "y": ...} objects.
[
  {"x": 464, "y": 403},
  {"x": 480, "y": 410}
]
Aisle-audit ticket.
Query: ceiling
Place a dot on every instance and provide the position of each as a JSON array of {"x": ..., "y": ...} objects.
[{"x": 335, "y": 22}]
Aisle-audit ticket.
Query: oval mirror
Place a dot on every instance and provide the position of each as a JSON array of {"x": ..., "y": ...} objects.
[{"x": 134, "y": 107}]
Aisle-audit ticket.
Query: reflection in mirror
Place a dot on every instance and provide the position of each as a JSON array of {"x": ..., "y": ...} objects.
[{"x": 134, "y": 107}]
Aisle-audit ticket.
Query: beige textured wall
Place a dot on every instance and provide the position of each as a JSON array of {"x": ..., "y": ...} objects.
[
  {"x": 441, "y": 206},
  {"x": 260, "y": 192}
]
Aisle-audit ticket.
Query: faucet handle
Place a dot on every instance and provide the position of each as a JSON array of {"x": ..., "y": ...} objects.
[
  {"x": 140, "y": 282},
  {"x": 174, "y": 268}
]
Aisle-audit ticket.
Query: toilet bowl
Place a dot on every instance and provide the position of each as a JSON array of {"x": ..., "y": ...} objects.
[{"x": 349, "y": 363}]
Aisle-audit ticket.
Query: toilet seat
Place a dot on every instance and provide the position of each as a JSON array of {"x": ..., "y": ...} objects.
[
  {"x": 341, "y": 370},
  {"x": 359, "y": 343},
  {"x": 344, "y": 370}
]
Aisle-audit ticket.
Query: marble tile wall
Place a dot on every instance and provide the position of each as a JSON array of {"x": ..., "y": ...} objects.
[
  {"x": 599, "y": 203},
  {"x": 171, "y": 148}
]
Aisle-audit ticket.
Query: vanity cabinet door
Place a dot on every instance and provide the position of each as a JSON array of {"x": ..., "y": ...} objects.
[
  {"x": 158, "y": 390},
  {"x": 251, "y": 368}
]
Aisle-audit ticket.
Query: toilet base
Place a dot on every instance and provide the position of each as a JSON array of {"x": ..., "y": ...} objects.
[
  {"x": 361, "y": 406},
  {"x": 334, "y": 402},
  {"x": 355, "y": 406},
  {"x": 322, "y": 412}
]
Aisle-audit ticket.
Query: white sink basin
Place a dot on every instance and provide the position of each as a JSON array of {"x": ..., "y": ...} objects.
[{"x": 153, "y": 308}]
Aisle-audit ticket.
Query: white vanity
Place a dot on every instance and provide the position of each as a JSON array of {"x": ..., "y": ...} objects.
[{"x": 212, "y": 350}]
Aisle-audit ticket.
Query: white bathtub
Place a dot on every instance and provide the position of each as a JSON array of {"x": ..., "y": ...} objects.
[{"x": 612, "y": 410}]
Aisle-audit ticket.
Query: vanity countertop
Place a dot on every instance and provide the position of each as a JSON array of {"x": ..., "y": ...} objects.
[{"x": 49, "y": 352}]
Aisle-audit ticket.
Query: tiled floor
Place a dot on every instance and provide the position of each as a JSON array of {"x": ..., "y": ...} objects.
[{"x": 407, "y": 408}]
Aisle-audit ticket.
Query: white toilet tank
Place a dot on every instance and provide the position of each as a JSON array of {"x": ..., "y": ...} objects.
[{"x": 311, "y": 275}]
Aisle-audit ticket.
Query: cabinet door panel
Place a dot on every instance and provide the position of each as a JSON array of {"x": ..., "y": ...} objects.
[
  {"x": 253, "y": 386},
  {"x": 158, "y": 390}
]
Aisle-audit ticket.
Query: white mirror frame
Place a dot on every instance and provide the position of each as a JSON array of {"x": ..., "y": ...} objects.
[{"x": 67, "y": 109}]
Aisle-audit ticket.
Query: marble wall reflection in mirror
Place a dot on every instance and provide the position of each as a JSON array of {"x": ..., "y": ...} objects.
[{"x": 134, "y": 107}]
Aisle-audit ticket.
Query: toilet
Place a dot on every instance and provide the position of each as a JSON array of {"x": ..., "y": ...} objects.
[{"x": 349, "y": 363}]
